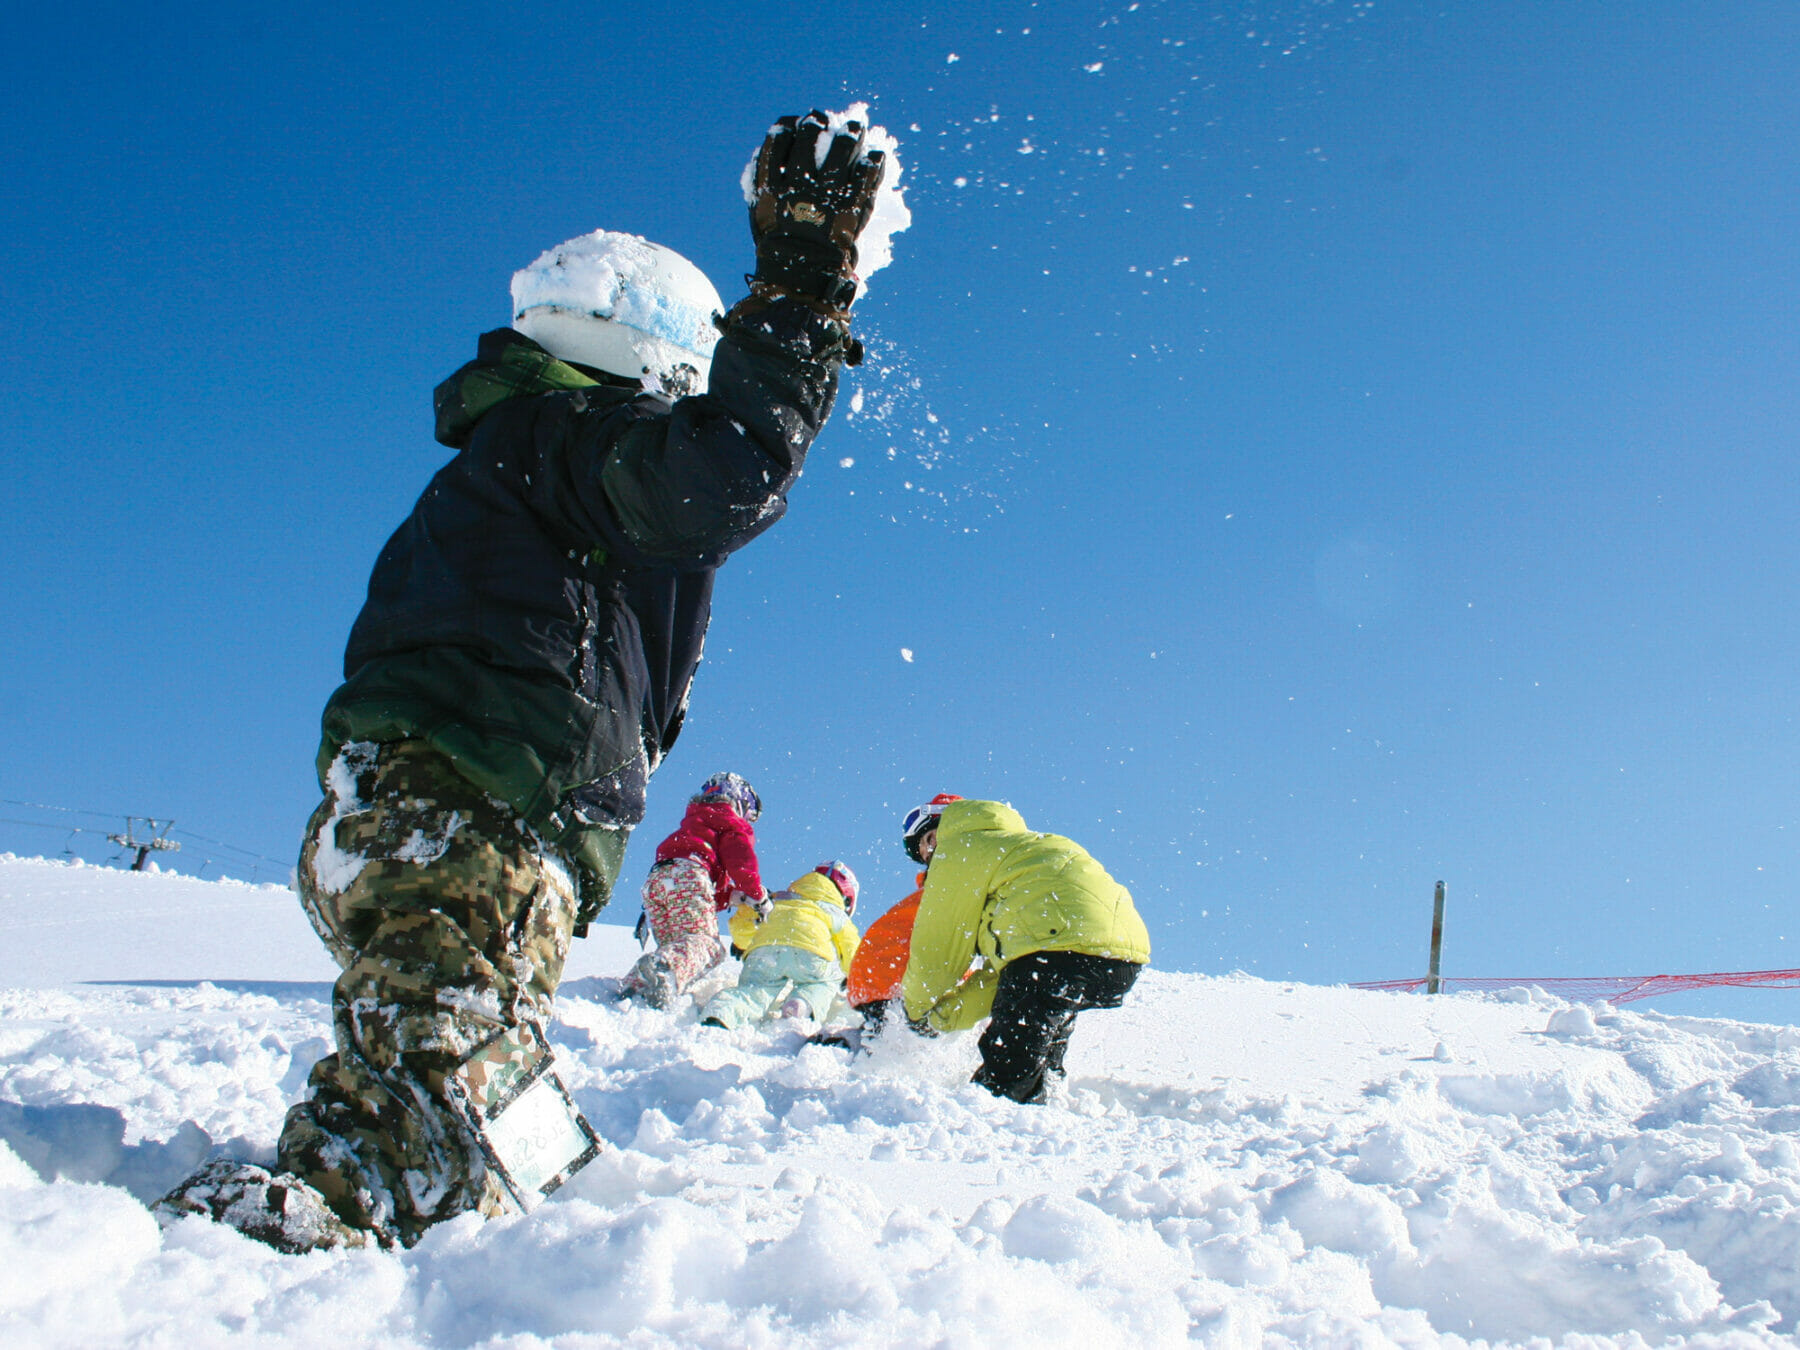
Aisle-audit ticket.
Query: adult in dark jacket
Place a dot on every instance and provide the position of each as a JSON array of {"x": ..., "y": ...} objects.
[{"x": 520, "y": 667}]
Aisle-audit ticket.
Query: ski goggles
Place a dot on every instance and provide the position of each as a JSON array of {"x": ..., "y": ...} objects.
[
  {"x": 918, "y": 822},
  {"x": 919, "y": 819},
  {"x": 749, "y": 803}
]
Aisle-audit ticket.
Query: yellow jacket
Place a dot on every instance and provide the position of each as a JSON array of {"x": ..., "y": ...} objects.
[
  {"x": 997, "y": 890},
  {"x": 808, "y": 915}
]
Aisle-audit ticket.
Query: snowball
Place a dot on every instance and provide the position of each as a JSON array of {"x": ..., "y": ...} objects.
[
  {"x": 1576, "y": 1021},
  {"x": 874, "y": 246}
]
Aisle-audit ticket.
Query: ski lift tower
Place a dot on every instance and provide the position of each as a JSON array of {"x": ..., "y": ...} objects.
[{"x": 158, "y": 842}]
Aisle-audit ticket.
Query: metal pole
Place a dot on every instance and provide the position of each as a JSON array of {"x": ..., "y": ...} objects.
[{"x": 1432, "y": 983}]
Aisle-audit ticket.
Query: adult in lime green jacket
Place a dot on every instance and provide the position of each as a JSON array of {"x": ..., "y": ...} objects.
[
  {"x": 796, "y": 958},
  {"x": 1053, "y": 932}
]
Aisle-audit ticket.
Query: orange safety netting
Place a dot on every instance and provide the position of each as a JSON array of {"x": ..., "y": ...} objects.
[{"x": 1612, "y": 988}]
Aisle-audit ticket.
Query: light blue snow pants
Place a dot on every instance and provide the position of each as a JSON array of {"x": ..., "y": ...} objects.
[{"x": 772, "y": 975}]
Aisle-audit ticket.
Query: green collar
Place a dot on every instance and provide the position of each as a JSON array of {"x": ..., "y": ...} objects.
[{"x": 507, "y": 365}]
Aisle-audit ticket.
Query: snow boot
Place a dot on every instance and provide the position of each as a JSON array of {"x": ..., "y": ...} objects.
[
  {"x": 276, "y": 1208},
  {"x": 651, "y": 981},
  {"x": 658, "y": 988}
]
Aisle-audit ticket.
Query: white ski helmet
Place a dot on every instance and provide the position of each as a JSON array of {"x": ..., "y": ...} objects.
[{"x": 624, "y": 305}]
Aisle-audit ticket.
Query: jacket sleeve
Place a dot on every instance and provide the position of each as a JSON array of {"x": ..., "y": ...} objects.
[
  {"x": 968, "y": 1003},
  {"x": 742, "y": 926},
  {"x": 844, "y": 937},
  {"x": 943, "y": 939},
  {"x": 709, "y": 473},
  {"x": 735, "y": 848}
]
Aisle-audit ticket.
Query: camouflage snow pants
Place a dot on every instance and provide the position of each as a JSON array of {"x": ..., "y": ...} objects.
[{"x": 451, "y": 921}]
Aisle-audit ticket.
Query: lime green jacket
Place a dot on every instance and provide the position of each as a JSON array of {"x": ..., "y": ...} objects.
[
  {"x": 999, "y": 891},
  {"x": 808, "y": 915}
]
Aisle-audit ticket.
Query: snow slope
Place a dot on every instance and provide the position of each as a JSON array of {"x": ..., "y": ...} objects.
[{"x": 1236, "y": 1162}]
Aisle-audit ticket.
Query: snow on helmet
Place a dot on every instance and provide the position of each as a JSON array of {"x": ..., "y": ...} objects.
[
  {"x": 623, "y": 305},
  {"x": 838, "y": 873},
  {"x": 921, "y": 820},
  {"x": 732, "y": 790}
]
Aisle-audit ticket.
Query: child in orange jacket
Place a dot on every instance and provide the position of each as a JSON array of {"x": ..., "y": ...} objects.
[{"x": 880, "y": 962}]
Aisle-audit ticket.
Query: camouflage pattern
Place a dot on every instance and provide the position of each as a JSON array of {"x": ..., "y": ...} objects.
[
  {"x": 678, "y": 901},
  {"x": 276, "y": 1208},
  {"x": 494, "y": 1073},
  {"x": 532, "y": 1134},
  {"x": 451, "y": 921}
]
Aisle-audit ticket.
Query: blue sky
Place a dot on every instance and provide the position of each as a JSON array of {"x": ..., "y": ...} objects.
[{"x": 1309, "y": 450}]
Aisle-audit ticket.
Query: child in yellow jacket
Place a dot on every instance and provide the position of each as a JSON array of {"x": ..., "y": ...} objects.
[{"x": 796, "y": 959}]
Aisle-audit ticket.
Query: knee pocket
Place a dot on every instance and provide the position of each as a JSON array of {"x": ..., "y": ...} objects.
[{"x": 542, "y": 931}]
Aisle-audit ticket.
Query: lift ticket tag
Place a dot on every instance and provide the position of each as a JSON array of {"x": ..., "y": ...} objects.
[{"x": 527, "y": 1124}]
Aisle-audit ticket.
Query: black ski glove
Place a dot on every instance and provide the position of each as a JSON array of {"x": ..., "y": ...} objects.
[{"x": 812, "y": 201}]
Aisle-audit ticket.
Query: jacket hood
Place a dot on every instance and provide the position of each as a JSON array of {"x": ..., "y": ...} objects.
[
  {"x": 962, "y": 817},
  {"x": 817, "y": 886},
  {"x": 507, "y": 365}
]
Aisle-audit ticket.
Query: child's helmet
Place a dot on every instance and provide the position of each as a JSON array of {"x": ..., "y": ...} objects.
[
  {"x": 623, "y": 305},
  {"x": 921, "y": 820},
  {"x": 839, "y": 874},
  {"x": 733, "y": 791}
]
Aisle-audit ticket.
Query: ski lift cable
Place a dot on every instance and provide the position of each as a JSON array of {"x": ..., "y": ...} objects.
[
  {"x": 52, "y": 825},
  {"x": 66, "y": 810},
  {"x": 115, "y": 815},
  {"x": 235, "y": 848}
]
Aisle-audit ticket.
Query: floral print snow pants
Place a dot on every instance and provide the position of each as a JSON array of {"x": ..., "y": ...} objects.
[
  {"x": 678, "y": 900},
  {"x": 451, "y": 922}
]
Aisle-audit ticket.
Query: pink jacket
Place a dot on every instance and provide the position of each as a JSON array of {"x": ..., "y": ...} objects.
[{"x": 722, "y": 839}]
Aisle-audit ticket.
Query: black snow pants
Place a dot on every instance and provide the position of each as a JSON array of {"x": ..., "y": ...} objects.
[{"x": 1034, "y": 1013}]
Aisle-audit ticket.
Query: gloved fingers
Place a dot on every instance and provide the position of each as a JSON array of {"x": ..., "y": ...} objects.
[
  {"x": 860, "y": 201},
  {"x": 874, "y": 169},
  {"x": 769, "y": 158},
  {"x": 776, "y": 148},
  {"x": 802, "y": 158},
  {"x": 843, "y": 151}
]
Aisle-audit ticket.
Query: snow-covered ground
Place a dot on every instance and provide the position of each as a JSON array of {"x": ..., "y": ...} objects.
[{"x": 1236, "y": 1162}]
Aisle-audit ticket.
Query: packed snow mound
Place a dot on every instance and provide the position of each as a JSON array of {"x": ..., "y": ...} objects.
[
  {"x": 1234, "y": 1161},
  {"x": 891, "y": 215}
]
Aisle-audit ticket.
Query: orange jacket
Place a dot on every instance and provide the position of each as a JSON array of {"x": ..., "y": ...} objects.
[{"x": 880, "y": 961}]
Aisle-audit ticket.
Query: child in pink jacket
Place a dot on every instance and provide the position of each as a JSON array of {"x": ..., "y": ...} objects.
[{"x": 707, "y": 865}]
